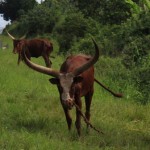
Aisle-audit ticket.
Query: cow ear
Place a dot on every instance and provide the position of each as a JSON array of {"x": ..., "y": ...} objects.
[
  {"x": 54, "y": 81},
  {"x": 77, "y": 79}
]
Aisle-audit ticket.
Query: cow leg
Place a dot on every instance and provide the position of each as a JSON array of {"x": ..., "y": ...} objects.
[
  {"x": 88, "y": 100},
  {"x": 47, "y": 61},
  {"x": 68, "y": 118},
  {"x": 22, "y": 58},
  {"x": 19, "y": 58},
  {"x": 78, "y": 117}
]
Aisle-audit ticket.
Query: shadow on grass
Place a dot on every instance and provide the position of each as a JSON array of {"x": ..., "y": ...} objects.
[{"x": 33, "y": 124}]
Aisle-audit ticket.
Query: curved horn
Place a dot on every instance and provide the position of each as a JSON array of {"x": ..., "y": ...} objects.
[
  {"x": 13, "y": 38},
  {"x": 89, "y": 63},
  {"x": 39, "y": 68}
]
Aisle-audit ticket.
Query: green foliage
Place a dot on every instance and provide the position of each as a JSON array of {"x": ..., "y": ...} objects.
[
  {"x": 73, "y": 27},
  {"x": 114, "y": 74},
  {"x": 142, "y": 77},
  {"x": 133, "y": 83},
  {"x": 84, "y": 45},
  {"x": 136, "y": 45},
  {"x": 112, "y": 40},
  {"x": 136, "y": 50},
  {"x": 12, "y": 9},
  {"x": 64, "y": 6},
  {"x": 44, "y": 17},
  {"x": 39, "y": 20},
  {"x": 106, "y": 12}
]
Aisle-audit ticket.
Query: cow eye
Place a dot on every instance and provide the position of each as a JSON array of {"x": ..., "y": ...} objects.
[
  {"x": 77, "y": 79},
  {"x": 54, "y": 81}
]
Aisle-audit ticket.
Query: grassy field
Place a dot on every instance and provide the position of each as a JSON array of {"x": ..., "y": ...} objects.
[{"x": 31, "y": 116}]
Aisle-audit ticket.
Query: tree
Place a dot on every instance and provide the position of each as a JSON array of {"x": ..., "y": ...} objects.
[
  {"x": 71, "y": 29},
  {"x": 12, "y": 9},
  {"x": 39, "y": 20},
  {"x": 105, "y": 11}
]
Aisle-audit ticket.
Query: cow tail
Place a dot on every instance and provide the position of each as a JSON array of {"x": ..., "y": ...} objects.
[{"x": 119, "y": 95}]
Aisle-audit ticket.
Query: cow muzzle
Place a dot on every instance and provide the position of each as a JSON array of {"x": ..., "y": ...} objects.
[{"x": 69, "y": 103}]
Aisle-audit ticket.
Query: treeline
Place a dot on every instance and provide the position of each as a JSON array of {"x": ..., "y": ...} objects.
[{"x": 120, "y": 27}]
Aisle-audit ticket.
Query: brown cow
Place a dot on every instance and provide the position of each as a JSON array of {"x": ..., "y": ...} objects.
[
  {"x": 35, "y": 48},
  {"x": 74, "y": 80}
]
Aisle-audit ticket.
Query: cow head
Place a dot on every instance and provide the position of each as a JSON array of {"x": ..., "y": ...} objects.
[
  {"x": 66, "y": 82},
  {"x": 16, "y": 43}
]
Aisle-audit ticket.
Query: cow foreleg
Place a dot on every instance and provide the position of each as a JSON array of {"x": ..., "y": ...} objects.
[
  {"x": 47, "y": 61},
  {"x": 68, "y": 118},
  {"x": 27, "y": 54},
  {"x": 78, "y": 117},
  {"x": 19, "y": 58},
  {"x": 88, "y": 100}
]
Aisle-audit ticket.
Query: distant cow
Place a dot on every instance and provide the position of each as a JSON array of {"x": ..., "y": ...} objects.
[
  {"x": 74, "y": 80},
  {"x": 35, "y": 48}
]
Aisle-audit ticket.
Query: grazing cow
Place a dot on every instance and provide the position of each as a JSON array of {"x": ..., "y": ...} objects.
[
  {"x": 35, "y": 48},
  {"x": 74, "y": 80}
]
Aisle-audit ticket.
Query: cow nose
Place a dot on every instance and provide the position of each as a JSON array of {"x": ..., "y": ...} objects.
[{"x": 69, "y": 103}]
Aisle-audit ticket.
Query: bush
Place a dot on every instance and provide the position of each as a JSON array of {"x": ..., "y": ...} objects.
[
  {"x": 133, "y": 83},
  {"x": 135, "y": 50},
  {"x": 114, "y": 75},
  {"x": 71, "y": 29},
  {"x": 39, "y": 20},
  {"x": 136, "y": 41},
  {"x": 141, "y": 75},
  {"x": 84, "y": 45}
]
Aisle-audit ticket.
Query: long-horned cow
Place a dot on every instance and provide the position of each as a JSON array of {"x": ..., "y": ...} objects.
[
  {"x": 74, "y": 80},
  {"x": 35, "y": 48}
]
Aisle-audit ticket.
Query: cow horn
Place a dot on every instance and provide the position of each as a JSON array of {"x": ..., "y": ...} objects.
[
  {"x": 39, "y": 68},
  {"x": 13, "y": 38},
  {"x": 89, "y": 63}
]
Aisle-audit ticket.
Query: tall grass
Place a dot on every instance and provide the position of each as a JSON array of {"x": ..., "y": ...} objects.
[{"x": 31, "y": 116}]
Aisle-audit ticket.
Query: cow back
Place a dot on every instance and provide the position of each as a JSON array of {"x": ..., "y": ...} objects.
[{"x": 39, "y": 47}]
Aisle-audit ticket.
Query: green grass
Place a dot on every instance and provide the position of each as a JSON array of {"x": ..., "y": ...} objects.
[{"x": 31, "y": 116}]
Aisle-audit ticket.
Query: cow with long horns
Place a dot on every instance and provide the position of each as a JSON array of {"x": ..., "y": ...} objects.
[
  {"x": 35, "y": 48},
  {"x": 74, "y": 80}
]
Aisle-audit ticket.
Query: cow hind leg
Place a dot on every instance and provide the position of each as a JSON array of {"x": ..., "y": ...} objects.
[
  {"x": 47, "y": 61},
  {"x": 88, "y": 100}
]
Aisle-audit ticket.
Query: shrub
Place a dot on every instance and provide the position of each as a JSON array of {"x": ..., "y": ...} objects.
[
  {"x": 39, "y": 20},
  {"x": 141, "y": 75},
  {"x": 84, "y": 45},
  {"x": 114, "y": 75},
  {"x": 135, "y": 50},
  {"x": 72, "y": 28},
  {"x": 136, "y": 32}
]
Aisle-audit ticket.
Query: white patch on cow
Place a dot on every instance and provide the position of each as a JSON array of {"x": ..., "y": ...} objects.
[{"x": 66, "y": 81}]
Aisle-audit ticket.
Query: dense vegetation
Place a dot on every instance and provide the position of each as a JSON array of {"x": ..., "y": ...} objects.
[{"x": 122, "y": 30}]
